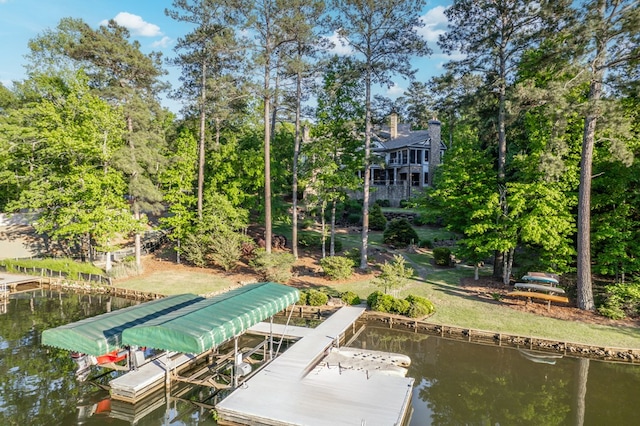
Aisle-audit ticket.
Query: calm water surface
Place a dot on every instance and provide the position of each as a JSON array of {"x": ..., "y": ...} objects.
[{"x": 456, "y": 383}]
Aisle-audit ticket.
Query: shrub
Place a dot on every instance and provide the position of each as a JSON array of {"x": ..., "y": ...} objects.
[
  {"x": 350, "y": 298},
  {"x": 400, "y": 232},
  {"x": 226, "y": 249},
  {"x": 316, "y": 298},
  {"x": 380, "y": 302},
  {"x": 354, "y": 218},
  {"x": 307, "y": 223},
  {"x": 353, "y": 254},
  {"x": 383, "y": 203},
  {"x": 621, "y": 301},
  {"x": 304, "y": 298},
  {"x": 420, "y": 220},
  {"x": 420, "y": 306},
  {"x": 442, "y": 256},
  {"x": 408, "y": 204},
  {"x": 273, "y": 266},
  {"x": 425, "y": 244},
  {"x": 337, "y": 267},
  {"x": 194, "y": 250},
  {"x": 377, "y": 221},
  {"x": 400, "y": 306},
  {"x": 309, "y": 239}
]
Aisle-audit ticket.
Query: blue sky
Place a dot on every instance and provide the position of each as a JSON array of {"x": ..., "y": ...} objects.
[{"x": 22, "y": 20}]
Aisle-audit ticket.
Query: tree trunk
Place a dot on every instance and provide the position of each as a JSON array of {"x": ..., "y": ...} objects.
[
  {"x": 332, "y": 247},
  {"x": 584, "y": 281},
  {"x": 367, "y": 171},
  {"x": 201, "y": 149},
  {"x": 296, "y": 154},
  {"x": 267, "y": 158},
  {"x": 323, "y": 231}
]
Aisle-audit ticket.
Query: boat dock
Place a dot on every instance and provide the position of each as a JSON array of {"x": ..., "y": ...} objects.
[
  {"x": 299, "y": 388},
  {"x": 148, "y": 378}
]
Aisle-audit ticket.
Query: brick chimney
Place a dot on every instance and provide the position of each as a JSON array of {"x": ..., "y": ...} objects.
[
  {"x": 393, "y": 125},
  {"x": 434, "y": 149}
]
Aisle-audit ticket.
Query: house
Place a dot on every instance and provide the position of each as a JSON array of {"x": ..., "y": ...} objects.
[{"x": 404, "y": 161}]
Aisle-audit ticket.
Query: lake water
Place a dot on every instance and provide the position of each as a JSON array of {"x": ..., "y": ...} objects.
[{"x": 456, "y": 383}]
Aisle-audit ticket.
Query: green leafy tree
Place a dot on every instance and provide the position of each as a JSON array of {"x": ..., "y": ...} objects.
[
  {"x": 71, "y": 180},
  {"x": 394, "y": 275},
  {"x": 384, "y": 34},
  {"x": 207, "y": 55},
  {"x": 177, "y": 183}
]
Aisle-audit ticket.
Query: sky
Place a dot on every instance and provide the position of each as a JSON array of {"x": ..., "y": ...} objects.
[{"x": 23, "y": 20}]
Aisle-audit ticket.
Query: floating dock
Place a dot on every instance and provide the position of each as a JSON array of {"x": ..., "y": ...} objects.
[{"x": 298, "y": 388}]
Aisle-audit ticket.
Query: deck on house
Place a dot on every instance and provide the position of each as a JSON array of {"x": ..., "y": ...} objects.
[{"x": 296, "y": 388}]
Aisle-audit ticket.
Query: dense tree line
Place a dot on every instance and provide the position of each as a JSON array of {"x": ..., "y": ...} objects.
[{"x": 540, "y": 115}]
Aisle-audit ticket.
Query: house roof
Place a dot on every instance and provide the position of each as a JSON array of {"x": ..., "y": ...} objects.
[{"x": 420, "y": 137}]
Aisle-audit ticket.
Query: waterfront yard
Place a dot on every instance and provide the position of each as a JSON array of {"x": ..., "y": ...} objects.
[{"x": 459, "y": 300}]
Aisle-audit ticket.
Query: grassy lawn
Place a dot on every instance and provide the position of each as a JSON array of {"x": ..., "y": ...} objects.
[
  {"x": 178, "y": 282},
  {"x": 455, "y": 306}
]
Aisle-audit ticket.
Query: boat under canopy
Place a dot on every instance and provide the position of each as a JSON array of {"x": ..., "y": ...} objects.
[
  {"x": 103, "y": 333},
  {"x": 208, "y": 323}
]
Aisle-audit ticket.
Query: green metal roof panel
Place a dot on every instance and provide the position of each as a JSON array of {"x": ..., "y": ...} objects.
[
  {"x": 211, "y": 322},
  {"x": 103, "y": 333}
]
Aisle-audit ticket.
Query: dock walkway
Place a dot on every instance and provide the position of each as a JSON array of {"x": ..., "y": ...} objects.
[{"x": 297, "y": 388}]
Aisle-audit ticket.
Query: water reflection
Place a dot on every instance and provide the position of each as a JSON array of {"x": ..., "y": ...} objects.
[
  {"x": 460, "y": 383},
  {"x": 456, "y": 382},
  {"x": 37, "y": 383}
]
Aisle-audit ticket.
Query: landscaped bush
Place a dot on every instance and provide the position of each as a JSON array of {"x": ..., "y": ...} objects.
[
  {"x": 314, "y": 240},
  {"x": 419, "y": 306},
  {"x": 425, "y": 244},
  {"x": 316, "y": 298},
  {"x": 377, "y": 221},
  {"x": 354, "y": 255},
  {"x": 621, "y": 301},
  {"x": 383, "y": 203},
  {"x": 380, "y": 302},
  {"x": 420, "y": 220},
  {"x": 400, "y": 306},
  {"x": 350, "y": 298},
  {"x": 304, "y": 298},
  {"x": 307, "y": 223},
  {"x": 226, "y": 249},
  {"x": 442, "y": 256},
  {"x": 411, "y": 306},
  {"x": 408, "y": 204},
  {"x": 354, "y": 218},
  {"x": 399, "y": 232},
  {"x": 274, "y": 267},
  {"x": 337, "y": 267}
]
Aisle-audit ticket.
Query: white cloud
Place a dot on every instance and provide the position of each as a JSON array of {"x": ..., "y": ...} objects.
[
  {"x": 136, "y": 25},
  {"x": 435, "y": 23},
  {"x": 163, "y": 42},
  {"x": 395, "y": 90},
  {"x": 340, "y": 45}
]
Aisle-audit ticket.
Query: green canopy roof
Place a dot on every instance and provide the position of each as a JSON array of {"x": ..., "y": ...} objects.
[
  {"x": 103, "y": 333},
  {"x": 211, "y": 322}
]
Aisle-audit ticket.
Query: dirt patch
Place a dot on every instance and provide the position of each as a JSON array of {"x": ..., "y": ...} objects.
[{"x": 488, "y": 288}]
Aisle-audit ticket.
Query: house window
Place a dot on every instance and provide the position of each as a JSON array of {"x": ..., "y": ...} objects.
[
  {"x": 404, "y": 157},
  {"x": 426, "y": 156},
  {"x": 393, "y": 158},
  {"x": 426, "y": 179},
  {"x": 413, "y": 154}
]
